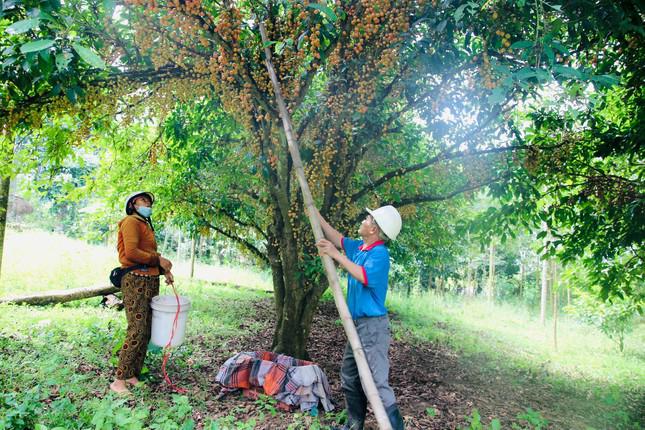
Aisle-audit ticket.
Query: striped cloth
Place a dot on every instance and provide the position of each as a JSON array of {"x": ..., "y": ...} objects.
[{"x": 291, "y": 381}]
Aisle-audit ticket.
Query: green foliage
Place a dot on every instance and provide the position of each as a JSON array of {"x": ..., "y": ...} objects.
[
  {"x": 19, "y": 411},
  {"x": 529, "y": 420},
  {"x": 614, "y": 319},
  {"x": 533, "y": 420},
  {"x": 267, "y": 404},
  {"x": 431, "y": 412},
  {"x": 47, "y": 50},
  {"x": 174, "y": 417},
  {"x": 583, "y": 181},
  {"x": 231, "y": 422},
  {"x": 110, "y": 413},
  {"x": 474, "y": 423}
]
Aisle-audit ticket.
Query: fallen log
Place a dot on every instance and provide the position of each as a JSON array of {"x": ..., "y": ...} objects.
[{"x": 60, "y": 296}]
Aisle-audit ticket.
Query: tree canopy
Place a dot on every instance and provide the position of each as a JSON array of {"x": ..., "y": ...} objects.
[{"x": 410, "y": 103}]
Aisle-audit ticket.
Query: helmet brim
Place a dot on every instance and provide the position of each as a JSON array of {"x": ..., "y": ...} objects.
[{"x": 134, "y": 196}]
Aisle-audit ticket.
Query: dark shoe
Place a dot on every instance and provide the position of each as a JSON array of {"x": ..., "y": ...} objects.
[
  {"x": 356, "y": 409},
  {"x": 396, "y": 420}
]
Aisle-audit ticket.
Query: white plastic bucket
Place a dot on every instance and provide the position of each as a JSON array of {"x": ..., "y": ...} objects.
[{"x": 164, "y": 309}]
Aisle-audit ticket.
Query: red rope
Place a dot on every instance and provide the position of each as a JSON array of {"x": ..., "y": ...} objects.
[{"x": 166, "y": 349}]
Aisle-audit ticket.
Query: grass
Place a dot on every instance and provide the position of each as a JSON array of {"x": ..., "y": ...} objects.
[
  {"x": 504, "y": 339},
  {"x": 62, "y": 360},
  {"x": 475, "y": 326},
  {"x": 56, "y": 361}
]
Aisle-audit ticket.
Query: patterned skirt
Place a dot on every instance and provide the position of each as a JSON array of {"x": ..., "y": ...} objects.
[{"x": 138, "y": 292}]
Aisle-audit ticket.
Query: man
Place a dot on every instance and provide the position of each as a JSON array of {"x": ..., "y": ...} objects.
[{"x": 367, "y": 263}]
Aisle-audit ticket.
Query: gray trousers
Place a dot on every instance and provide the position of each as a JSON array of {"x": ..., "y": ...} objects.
[{"x": 375, "y": 337}]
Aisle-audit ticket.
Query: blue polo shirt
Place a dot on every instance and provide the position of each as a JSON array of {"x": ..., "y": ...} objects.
[{"x": 367, "y": 300}]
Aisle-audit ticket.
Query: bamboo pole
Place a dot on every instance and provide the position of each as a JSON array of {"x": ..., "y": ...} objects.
[{"x": 348, "y": 324}]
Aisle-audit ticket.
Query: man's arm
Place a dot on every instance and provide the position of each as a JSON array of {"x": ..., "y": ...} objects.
[
  {"x": 358, "y": 272},
  {"x": 330, "y": 232}
]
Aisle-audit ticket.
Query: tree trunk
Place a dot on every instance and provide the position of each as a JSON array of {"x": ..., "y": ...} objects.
[
  {"x": 164, "y": 247},
  {"x": 424, "y": 280},
  {"x": 470, "y": 284},
  {"x": 491, "y": 271},
  {"x": 555, "y": 320},
  {"x": 538, "y": 269},
  {"x": 554, "y": 289},
  {"x": 544, "y": 290},
  {"x": 178, "y": 255},
  {"x": 521, "y": 289},
  {"x": 4, "y": 207},
  {"x": 60, "y": 296},
  {"x": 192, "y": 257}
]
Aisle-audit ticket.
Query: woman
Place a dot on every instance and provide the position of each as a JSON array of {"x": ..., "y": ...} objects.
[{"x": 137, "y": 246}]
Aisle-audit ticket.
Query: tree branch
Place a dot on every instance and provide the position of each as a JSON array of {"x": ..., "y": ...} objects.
[
  {"x": 438, "y": 158},
  {"x": 239, "y": 240},
  {"x": 142, "y": 76},
  {"x": 422, "y": 198}
]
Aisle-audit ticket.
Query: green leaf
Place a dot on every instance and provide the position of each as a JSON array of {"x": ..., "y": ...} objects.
[
  {"x": 567, "y": 71},
  {"x": 109, "y": 6},
  {"x": 497, "y": 96},
  {"x": 62, "y": 60},
  {"x": 521, "y": 44},
  {"x": 459, "y": 13},
  {"x": 71, "y": 95},
  {"x": 549, "y": 54},
  {"x": 560, "y": 47},
  {"x": 36, "y": 45},
  {"x": 279, "y": 47},
  {"x": 188, "y": 425},
  {"x": 496, "y": 424},
  {"x": 542, "y": 75},
  {"x": 8, "y": 62},
  {"x": 324, "y": 9},
  {"x": 606, "y": 80},
  {"x": 89, "y": 56},
  {"x": 22, "y": 26}
]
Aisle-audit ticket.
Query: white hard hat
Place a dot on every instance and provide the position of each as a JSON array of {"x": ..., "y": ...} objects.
[
  {"x": 137, "y": 194},
  {"x": 388, "y": 219}
]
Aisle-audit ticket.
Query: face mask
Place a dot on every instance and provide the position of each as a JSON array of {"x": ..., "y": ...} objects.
[{"x": 144, "y": 211}]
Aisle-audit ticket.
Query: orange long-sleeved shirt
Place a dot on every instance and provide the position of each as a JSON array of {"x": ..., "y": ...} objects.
[{"x": 137, "y": 245}]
